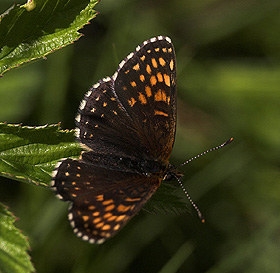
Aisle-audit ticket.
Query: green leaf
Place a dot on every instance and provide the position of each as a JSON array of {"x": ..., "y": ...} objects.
[
  {"x": 34, "y": 30},
  {"x": 13, "y": 246},
  {"x": 29, "y": 154},
  {"x": 166, "y": 199}
]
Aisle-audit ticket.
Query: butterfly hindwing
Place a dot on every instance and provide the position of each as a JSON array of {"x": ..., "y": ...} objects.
[{"x": 103, "y": 200}]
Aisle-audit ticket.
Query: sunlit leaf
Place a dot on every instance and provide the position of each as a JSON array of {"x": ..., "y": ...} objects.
[
  {"x": 32, "y": 31},
  {"x": 29, "y": 154}
]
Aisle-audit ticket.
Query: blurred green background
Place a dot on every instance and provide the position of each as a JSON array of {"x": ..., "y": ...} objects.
[{"x": 228, "y": 62}]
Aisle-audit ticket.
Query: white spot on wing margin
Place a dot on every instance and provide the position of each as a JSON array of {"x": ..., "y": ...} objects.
[
  {"x": 78, "y": 118},
  {"x": 82, "y": 104},
  {"x": 168, "y": 40}
]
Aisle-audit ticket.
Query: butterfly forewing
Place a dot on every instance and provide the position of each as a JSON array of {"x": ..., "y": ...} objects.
[
  {"x": 145, "y": 84},
  {"x": 103, "y": 125},
  {"x": 136, "y": 106},
  {"x": 126, "y": 123}
]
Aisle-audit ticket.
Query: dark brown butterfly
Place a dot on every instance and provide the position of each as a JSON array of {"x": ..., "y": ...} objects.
[{"x": 126, "y": 124}]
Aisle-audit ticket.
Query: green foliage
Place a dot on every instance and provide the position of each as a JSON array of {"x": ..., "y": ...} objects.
[
  {"x": 29, "y": 154},
  {"x": 167, "y": 199},
  {"x": 228, "y": 85},
  {"x": 13, "y": 246},
  {"x": 34, "y": 30}
]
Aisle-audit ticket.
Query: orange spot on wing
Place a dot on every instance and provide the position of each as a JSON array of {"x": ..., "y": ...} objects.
[
  {"x": 166, "y": 79},
  {"x": 148, "y": 91},
  {"x": 107, "y": 202},
  {"x": 136, "y": 67},
  {"x": 168, "y": 100},
  {"x": 122, "y": 208},
  {"x": 100, "y": 225},
  {"x": 110, "y": 207},
  {"x": 117, "y": 227},
  {"x": 112, "y": 218},
  {"x": 159, "y": 76},
  {"x": 107, "y": 215},
  {"x": 171, "y": 64},
  {"x": 154, "y": 63},
  {"x": 161, "y": 61},
  {"x": 85, "y": 218},
  {"x": 100, "y": 197},
  {"x": 160, "y": 95},
  {"x": 148, "y": 69},
  {"x": 132, "y": 199},
  {"x": 164, "y": 50},
  {"x": 106, "y": 227},
  {"x": 132, "y": 101},
  {"x": 133, "y": 84},
  {"x": 160, "y": 113},
  {"x": 142, "y": 78},
  {"x": 120, "y": 218},
  {"x": 143, "y": 58},
  {"x": 153, "y": 80},
  {"x": 96, "y": 220},
  {"x": 142, "y": 98}
]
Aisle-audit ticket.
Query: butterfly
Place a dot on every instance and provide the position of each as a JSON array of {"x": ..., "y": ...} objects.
[{"x": 126, "y": 124}]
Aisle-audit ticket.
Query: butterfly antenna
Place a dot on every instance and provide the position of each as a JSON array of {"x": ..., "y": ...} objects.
[
  {"x": 188, "y": 161},
  {"x": 202, "y": 219},
  {"x": 207, "y": 151}
]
